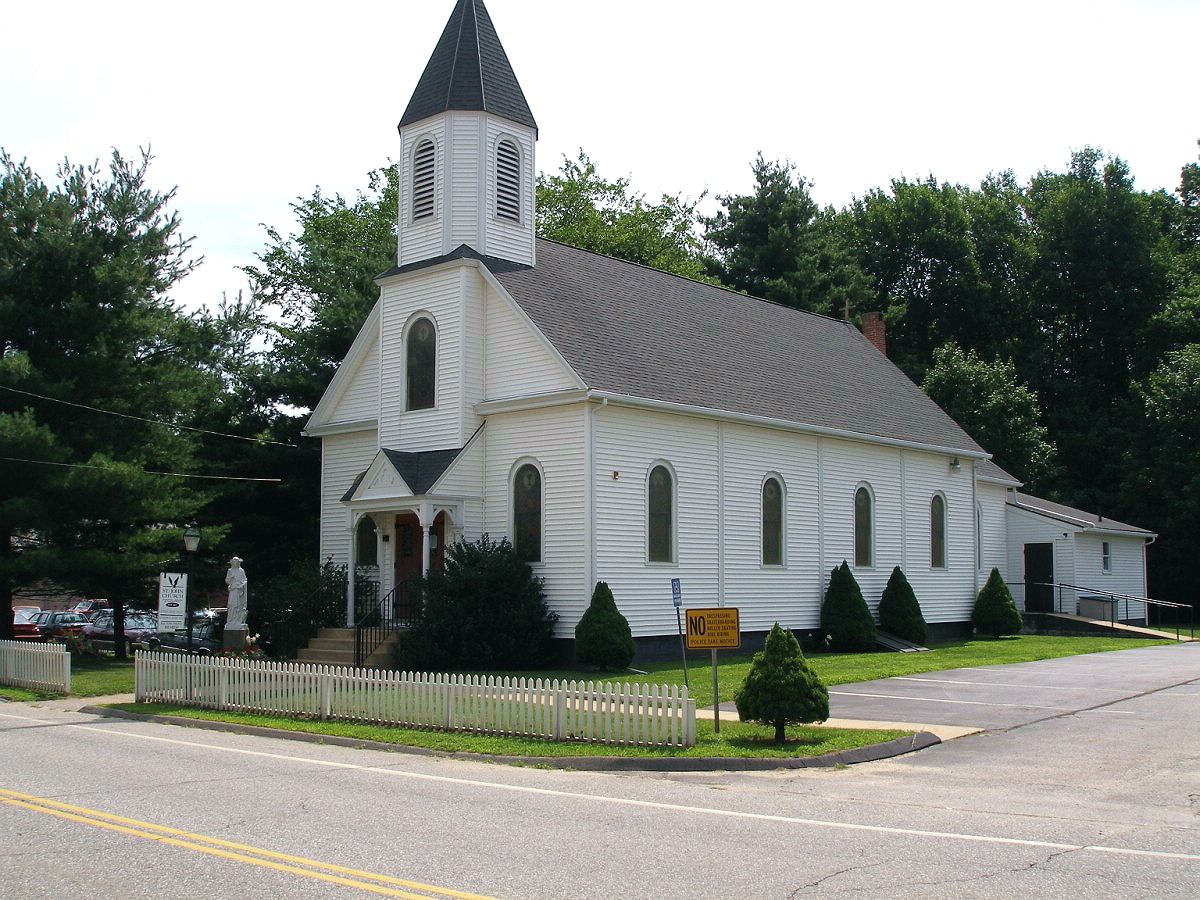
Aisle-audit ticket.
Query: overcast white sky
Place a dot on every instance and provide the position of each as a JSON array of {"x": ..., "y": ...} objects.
[{"x": 248, "y": 105}]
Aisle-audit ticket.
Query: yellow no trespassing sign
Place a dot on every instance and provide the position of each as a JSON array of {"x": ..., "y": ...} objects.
[{"x": 713, "y": 629}]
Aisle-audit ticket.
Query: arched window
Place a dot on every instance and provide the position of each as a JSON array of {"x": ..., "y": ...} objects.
[
  {"x": 365, "y": 548},
  {"x": 937, "y": 532},
  {"x": 424, "y": 180},
  {"x": 527, "y": 512},
  {"x": 508, "y": 181},
  {"x": 772, "y": 522},
  {"x": 421, "y": 364},
  {"x": 660, "y": 519},
  {"x": 864, "y": 527}
]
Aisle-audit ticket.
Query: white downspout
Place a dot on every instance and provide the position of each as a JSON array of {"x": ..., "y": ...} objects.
[{"x": 591, "y": 569}]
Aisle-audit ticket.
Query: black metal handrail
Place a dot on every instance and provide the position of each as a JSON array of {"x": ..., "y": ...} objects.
[
  {"x": 1116, "y": 599},
  {"x": 377, "y": 619}
]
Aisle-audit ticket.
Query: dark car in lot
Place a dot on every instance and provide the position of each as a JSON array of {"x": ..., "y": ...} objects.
[
  {"x": 99, "y": 634},
  {"x": 56, "y": 624},
  {"x": 207, "y": 638}
]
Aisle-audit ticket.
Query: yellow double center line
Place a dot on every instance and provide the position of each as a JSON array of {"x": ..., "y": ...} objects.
[{"x": 256, "y": 856}]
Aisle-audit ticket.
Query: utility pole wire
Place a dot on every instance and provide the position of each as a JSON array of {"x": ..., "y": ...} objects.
[
  {"x": 46, "y": 462},
  {"x": 109, "y": 412}
]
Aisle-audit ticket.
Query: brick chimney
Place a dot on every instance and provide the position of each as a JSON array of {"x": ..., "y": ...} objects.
[{"x": 875, "y": 331}]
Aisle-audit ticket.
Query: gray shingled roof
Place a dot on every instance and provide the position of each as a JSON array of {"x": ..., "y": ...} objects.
[
  {"x": 1070, "y": 514},
  {"x": 419, "y": 470},
  {"x": 632, "y": 330},
  {"x": 469, "y": 70}
]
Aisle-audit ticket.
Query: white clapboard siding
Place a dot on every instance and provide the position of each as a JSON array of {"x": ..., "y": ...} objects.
[
  {"x": 945, "y": 594},
  {"x": 629, "y": 714},
  {"x": 360, "y": 400},
  {"x": 422, "y": 239},
  {"x": 1126, "y": 577},
  {"x": 553, "y": 439},
  {"x": 788, "y": 593},
  {"x": 467, "y": 135},
  {"x": 343, "y": 458},
  {"x": 1026, "y": 527},
  {"x": 627, "y": 443},
  {"x": 438, "y": 296},
  {"x": 519, "y": 363},
  {"x": 994, "y": 555},
  {"x": 844, "y": 466},
  {"x": 43, "y": 667},
  {"x": 505, "y": 238}
]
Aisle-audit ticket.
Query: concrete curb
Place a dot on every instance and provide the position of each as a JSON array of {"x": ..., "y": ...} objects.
[{"x": 870, "y": 753}]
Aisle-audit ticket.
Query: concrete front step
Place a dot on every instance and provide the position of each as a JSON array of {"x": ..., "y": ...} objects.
[{"x": 335, "y": 647}]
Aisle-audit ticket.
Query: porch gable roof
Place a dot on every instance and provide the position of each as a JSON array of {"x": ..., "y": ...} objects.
[{"x": 418, "y": 470}]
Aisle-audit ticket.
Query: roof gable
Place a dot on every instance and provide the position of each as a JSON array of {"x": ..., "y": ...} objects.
[
  {"x": 365, "y": 342},
  {"x": 632, "y": 330},
  {"x": 469, "y": 70}
]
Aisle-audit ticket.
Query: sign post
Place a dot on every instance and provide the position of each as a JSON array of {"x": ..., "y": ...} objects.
[
  {"x": 714, "y": 629},
  {"x": 677, "y": 599}
]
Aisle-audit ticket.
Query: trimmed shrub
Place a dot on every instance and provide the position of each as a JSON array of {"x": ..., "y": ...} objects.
[
  {"x": 484, "y": 610},
  {"x": 995, "y": 610},
  {"x": 780, "y": 689},
  {"x": 602, "y": 637},
  {"x": 845, "y": 619},
  {"x": 899, "y": 611}
]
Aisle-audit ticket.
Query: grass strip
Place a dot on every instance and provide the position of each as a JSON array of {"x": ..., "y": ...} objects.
[{"x": 736, "y": 739}]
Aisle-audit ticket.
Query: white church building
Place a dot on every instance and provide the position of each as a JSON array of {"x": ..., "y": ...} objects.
[{"x": 622, "y": 424}]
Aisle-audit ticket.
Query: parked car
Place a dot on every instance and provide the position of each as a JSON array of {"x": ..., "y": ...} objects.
[
  {"x": 28, "y": 611},
  {"x": 207, "y": 637},
  {"x": 23, "y": 627},
  {"x": 88, "y": 608},
  {"x": 56, "y": 624},
  {"x": 98, "y": 634}
]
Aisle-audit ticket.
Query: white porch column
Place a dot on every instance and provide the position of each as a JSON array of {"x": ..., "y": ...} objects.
[
  {"x": 350, "y": 572},
  {"x": 424, "y": 549}
]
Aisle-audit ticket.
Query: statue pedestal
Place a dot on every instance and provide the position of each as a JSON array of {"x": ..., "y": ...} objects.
[{"x": 235, "y": 637}]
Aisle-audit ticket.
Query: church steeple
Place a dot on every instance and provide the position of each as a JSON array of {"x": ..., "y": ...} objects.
[
  {"x": 469, "y": 70},
  {"x": 467, "y": 149}
]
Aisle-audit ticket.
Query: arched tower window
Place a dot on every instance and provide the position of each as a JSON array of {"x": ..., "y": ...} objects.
[
  {"x": 937, "y": 532},
  {"x": 424, "y": 180},
  {"x": 508, "y": 181},
  {"x": 772, "y": 522},
  {"x": 421, "y": 364},
  {"x": 527, "y": 512},
  {"x": 864, "y": 527},
  {"x": 660, "y": 515}
]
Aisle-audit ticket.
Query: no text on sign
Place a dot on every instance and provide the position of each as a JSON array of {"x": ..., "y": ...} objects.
[{"x": 713, "y": 629}]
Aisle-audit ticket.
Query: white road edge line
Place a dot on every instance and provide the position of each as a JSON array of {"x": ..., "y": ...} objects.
[{"x": 650, "y": 804}]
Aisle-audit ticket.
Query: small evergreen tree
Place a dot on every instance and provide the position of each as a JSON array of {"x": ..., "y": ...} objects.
[
  {"x": 780, "y": 689},
  {"x": 845, "y": 618},
  {"x": 899, "y": 611},
  {"x": 602, "y": 637},
  {"x": 484, "y": 610},
  {"x": 995, "y": 611}
]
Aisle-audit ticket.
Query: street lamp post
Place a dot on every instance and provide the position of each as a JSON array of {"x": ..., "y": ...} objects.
[{"x": 191, "y": 542}]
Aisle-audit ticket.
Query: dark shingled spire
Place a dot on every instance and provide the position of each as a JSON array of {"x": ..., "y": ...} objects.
[{"x": 469, "y": 70}]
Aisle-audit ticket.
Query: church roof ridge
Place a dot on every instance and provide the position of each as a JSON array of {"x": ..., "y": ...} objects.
[{"x": 469, "y": 70}]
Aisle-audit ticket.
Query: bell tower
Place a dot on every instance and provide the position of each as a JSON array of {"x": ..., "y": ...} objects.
[{"x": 467, "y": 138}]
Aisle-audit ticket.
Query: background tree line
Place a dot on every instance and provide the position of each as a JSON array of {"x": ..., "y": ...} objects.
[{"x": 1058, "y": 321}]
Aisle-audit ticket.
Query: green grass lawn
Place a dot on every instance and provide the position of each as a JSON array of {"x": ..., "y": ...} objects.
[{"x": 736, "y": 739}]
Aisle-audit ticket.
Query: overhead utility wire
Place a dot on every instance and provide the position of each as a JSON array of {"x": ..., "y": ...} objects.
[
  {"x": 109, "y": 412},
  {"x": 44, "y": 462}
]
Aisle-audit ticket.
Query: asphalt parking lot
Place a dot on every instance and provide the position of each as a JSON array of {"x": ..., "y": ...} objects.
[{"x": 997, "y": 697}]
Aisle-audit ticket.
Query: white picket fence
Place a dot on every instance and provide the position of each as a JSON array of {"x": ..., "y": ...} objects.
[
  {"x": 43, "y": 667},
  {"x": 643, "y": 715}
]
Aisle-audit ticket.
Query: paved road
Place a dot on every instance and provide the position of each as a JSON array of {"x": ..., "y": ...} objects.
[{"x": 1102, "y": 801}]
